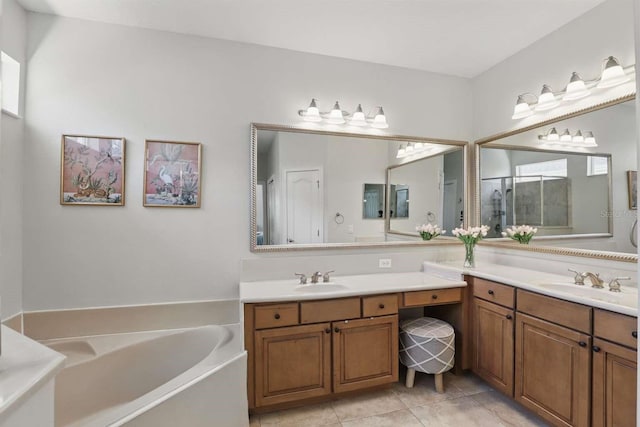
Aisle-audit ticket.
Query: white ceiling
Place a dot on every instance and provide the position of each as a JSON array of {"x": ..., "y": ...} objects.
[{"x": 457, "y": 37}]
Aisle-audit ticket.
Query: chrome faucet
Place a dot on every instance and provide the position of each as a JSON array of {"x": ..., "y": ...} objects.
[
  {"x": 614, "y": 284},
  {"x": 578, "y": 278},
  {"x": 325, "y": 276},
  {"x": 303, "y": 278},
  {"x": 315, "y": 276},
  {"x": 596, "y": 281}
]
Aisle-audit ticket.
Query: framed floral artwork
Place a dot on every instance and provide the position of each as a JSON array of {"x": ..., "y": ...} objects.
[
  {"x": 92, "y": 170},
  {"x": 172, "y": 174}
]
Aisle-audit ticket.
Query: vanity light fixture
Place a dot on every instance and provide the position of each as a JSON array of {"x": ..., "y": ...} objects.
[
  {"x": 338, "y": 116},
  {"x": 578, "y": 140},
  {"x": 613, "y": 74},
  {"x": 414, "y": 149}
]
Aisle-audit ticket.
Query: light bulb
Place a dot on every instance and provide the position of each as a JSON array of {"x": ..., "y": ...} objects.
[
  {"x": 565, "y": 136},
  {"x": 379, "y": 120},
  {"x": 312, "y": 113},
  {"x": 401, "y": 152},
  {"x": 552, "y": 135},
  {"x": 578, "y": 137},
  {"x": 589, "y": 139},
  {"x": 358, "y": 118},
  {"x": 547, "y": 99},
  {"x": 576, "y": 89},
  {"x": 409, "y": 149},
  {"x": 336, "y": 117},
  {"x": 522, "y": 109},
  {"x": 612, "y": 74}
]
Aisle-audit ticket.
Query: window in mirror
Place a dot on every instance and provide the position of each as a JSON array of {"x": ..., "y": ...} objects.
[
  {"x": 373, "y": 201},
  {"x": 597, "y": 165},
  {"x": 10, "y": 84}
]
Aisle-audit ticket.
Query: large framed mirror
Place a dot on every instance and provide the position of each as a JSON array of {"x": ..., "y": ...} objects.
[
  {"x": 569, "y": 178},
  {"x": 317, "y": 189}
]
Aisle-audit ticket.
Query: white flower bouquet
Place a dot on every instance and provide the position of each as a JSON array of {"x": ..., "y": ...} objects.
[
  {"x": 470, "y": 236},
  {"x": 521, "y": 233},
  {"x": 429, "y": 231}
]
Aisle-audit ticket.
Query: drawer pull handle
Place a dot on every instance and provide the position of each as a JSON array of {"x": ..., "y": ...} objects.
[
  {"x": 582, "y": 344},
  {"x": 634, "y": 334},
  {"x": 434, "y": 296},
  {"x": 490, "y": 292},
  {"x": 509, "y": 317},
  {"x": 596, "y": 349},
  {"x": 276, "y": 316},
  {"x": 381, "y": 306},
  {"x": 336, "y": 330},
  {"x": 327, "y": 331}
]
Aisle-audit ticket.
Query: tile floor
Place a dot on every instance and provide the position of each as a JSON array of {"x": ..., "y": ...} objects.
[{"x": 467, "y": 402}]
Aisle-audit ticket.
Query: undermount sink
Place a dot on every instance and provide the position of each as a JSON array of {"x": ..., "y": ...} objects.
[
  {"x": 627, "y": 298},
  {"x": 321, "y": 287}
]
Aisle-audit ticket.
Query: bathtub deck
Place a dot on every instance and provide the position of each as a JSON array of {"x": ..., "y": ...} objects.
[{"x": 467, "y": 401}]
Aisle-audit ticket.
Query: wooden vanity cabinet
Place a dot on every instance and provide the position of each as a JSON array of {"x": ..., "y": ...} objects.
[
  {"x": 292, "y": 363},
  {"x": 614, "y": 370},
  {"x": 305, "y": 350},
  {"x": 365, "y": 353},
  {"x": 493, "y": 344}
]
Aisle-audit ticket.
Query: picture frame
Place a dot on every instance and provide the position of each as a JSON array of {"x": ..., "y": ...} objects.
[
  {"x": 172, "y": 174},
  {"x": 92, "y": 170},
  {"x": 632, "y": 186}
]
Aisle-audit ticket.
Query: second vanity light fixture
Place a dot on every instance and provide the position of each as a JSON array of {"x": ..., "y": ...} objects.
[
  {"x": 613, "y": 74},
  {"x": 413, "y": 148},
  {"x": 338, "y": 116},
  {"x": 566, "y": 139}
]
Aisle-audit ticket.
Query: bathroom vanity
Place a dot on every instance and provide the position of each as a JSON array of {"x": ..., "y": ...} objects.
[{"x": 314, "y": 342}]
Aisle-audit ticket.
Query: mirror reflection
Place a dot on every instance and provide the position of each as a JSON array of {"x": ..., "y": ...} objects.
[
  {"x": 568, "y": 178},
  {"x": 443, "y": 174},
  {"x": 373, "y": 201},
  {"x": 319, "y": 188}
]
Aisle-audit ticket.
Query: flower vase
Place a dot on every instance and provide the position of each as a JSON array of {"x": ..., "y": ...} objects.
[{"x": 469, "y": 258}]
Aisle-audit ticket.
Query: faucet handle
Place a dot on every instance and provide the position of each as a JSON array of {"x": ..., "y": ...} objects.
[
  {"x": 303, "y": 278},
  {"x": 578, "y": 279},
  {"x": 325, "y": 276},
  {"x": 614, "y": 284}
]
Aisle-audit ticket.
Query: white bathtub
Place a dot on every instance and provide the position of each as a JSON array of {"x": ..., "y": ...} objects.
[{"x": 194, "y": 377}]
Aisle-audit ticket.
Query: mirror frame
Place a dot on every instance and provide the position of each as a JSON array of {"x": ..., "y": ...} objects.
[
  {"x": 254, "y": 247},
  {"x": 506, "y": 243},
  {"x": 465, "y": 192}
]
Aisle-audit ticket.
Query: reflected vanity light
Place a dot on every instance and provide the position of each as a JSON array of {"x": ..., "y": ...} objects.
[
  {"x": 414, "y": 149},
  {"x": 565, "y": 139},
  {"x": 338, "y": 116},
  {"x": 613, "y": 74}
]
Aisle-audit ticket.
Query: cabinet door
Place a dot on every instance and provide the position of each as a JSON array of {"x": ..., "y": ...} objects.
[
  {"x": 365, "y": 353},
  {"x": 553, "y": 371},
  {"x": 493, "y": 344},
  {"x": 614, "y": 385},
  {"x": 292, "y": 363}
]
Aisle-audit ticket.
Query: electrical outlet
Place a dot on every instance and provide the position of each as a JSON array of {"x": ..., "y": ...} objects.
[{"x": 384, "y": 263}]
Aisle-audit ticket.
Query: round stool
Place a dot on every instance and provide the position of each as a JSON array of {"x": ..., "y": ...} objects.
[{"x": 427, "y": 345}]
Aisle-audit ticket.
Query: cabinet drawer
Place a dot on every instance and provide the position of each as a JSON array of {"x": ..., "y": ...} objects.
[
  {"x": 435, "y": 297},
  {"x": 615, "y": 327},
  {"x": 329, "y": 310},
  {"x": 379, "y": 305},
  {"x": 494, "y": 292},
  {"x": 276, "y": 315},
  {"x": 565, "y": 313}
]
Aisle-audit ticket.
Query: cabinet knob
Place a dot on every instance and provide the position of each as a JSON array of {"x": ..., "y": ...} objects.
[
  {"x": 490, "y": 291},
  {"x": 434, "y": 296},
  {"x": 276, "y": 316},
  {"x": 582, "y": 344},
  {"x": 634, "y": 334},
  {"x": 596, "y": 349},
  {"x": 381, "y": 306},
  {"x": 327, "y": 331},
  {"x": 509, "y": 317},
  {"x": 336, "y": 329}
]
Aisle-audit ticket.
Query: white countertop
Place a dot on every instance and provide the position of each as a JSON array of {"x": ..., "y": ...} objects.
[
  {"x": 25, "y": 366},
  {"x": 343, "y": 286},
  {"x": 625, "y": 302}
]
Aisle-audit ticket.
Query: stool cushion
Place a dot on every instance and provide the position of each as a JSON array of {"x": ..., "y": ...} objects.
[{"x": 427, "y": 345}]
